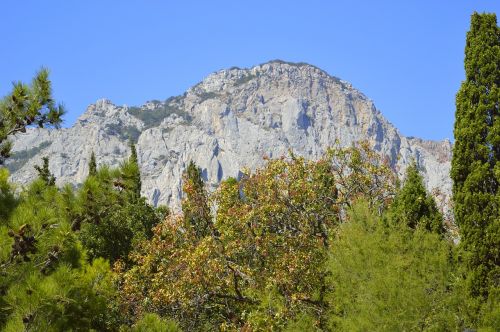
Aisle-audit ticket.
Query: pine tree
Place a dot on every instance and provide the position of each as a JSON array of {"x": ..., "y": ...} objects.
[
  {"x": 476, "y": 156},
  {"x": 92, "y": 165},
  {"x": 44, "y": 172},
  {"x": 8, "y": 199},
  {"x": 195, "y": 205},
  {"x": 45, "y": 280},
  {"x": 25, "y": 106},
  {"x": 414, "y": 207}
]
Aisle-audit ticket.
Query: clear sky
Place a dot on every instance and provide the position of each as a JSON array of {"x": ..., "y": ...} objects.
[{"x": 407, "y": 56}]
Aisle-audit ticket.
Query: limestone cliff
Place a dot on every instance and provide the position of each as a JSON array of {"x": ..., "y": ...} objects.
[{"x": 225, "y": 123}]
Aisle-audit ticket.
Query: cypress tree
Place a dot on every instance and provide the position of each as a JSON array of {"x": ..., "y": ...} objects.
[
  {"x": 134, "y": 174},
  {"x": 133, "y": 153},
  {"x": 414, "y": 206},
  {"x": 92, "y": 165},
  {"x": 475, "y": 166},
  {"x": 44, "y": 172}
]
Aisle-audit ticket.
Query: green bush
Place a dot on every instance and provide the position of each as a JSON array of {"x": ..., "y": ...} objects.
[
  {"x": 153, "y": 323},
  {"x": 390, "y": 277}
]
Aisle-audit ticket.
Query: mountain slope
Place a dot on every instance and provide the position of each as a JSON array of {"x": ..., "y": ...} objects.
[{"x": 225, "y": 123}]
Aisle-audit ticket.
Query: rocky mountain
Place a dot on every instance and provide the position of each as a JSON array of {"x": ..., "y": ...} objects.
[{"x": 227, "y": 122}]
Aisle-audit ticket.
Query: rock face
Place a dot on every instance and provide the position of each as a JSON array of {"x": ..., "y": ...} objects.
[{"x": 228, "y": 122}]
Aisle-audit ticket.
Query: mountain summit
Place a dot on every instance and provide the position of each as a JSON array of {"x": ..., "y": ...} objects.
[{"x": 227, "y": 122}]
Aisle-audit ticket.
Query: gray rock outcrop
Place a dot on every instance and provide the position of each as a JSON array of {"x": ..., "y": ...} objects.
[{"x": 227, "y": 122}]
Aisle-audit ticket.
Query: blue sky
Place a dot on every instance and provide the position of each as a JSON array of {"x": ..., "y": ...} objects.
[{"x": 407, "y": 56}]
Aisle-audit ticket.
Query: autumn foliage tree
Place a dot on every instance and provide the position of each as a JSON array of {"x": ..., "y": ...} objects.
[
  {"x": 259, "y": 261},
  {"x": 360, "y": 172}
]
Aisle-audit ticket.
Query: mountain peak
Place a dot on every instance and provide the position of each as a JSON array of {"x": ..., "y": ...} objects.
[
  {"x": 277, "y": 75},
  {"x": 275, "y": 68},
  {"x": 226, "y": 123}
]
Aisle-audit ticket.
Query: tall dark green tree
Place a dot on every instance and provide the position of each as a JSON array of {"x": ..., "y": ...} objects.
[
  {"x": 92, "y": 165},
  {"x": 44, "y": 172},
  {"x": 195, "y": 206},
  {"x": 131, "y": 172},
  {"x": 111, "y": 218},
  {"x": 476, "y": 157},
  {"x": 133, "y": 152},
  {"x": 25, "y": 106},
  {"x": 414, "y": 207}
]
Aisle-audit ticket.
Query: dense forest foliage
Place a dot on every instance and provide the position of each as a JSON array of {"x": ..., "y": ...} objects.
[{"x": 336, "y": 244}]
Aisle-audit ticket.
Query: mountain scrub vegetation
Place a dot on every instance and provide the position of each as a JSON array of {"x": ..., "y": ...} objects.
[
  {"x": 161, "y": 111},
  {"x": 333, "y": 244}
]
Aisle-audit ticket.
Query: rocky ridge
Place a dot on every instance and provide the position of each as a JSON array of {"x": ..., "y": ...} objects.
[{"x": 227, "y": 122}]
